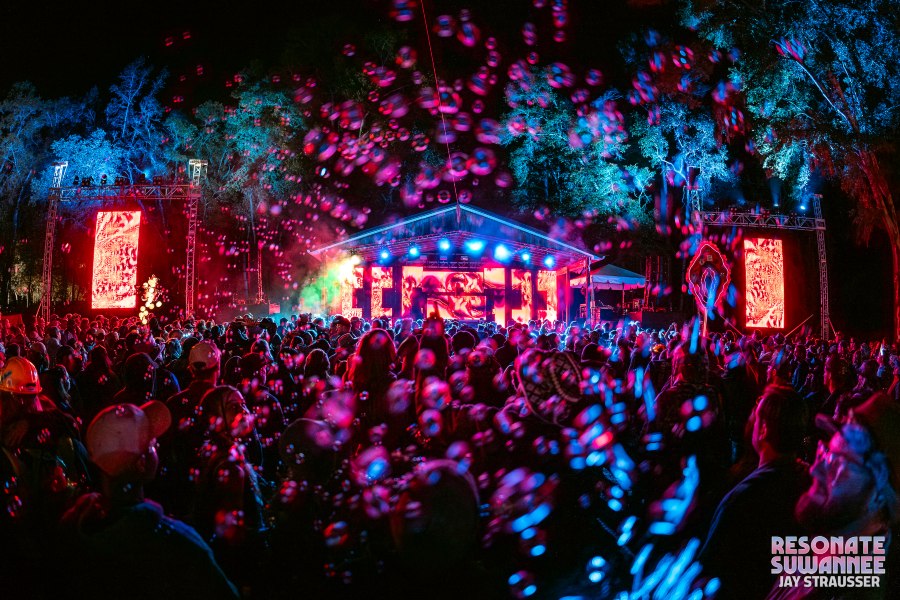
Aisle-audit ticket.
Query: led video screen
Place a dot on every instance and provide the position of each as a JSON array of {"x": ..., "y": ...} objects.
[
  {"x": 764, "y": 277},
  {"x": 381, "y": 280},
  {"x": 463, "y": 295},
  {"x": 114, "y": 282}
]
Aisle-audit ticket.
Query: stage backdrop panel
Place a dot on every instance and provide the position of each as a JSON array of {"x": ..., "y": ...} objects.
[
  {"x": 115, "y": 259},
  {"x": 764, "y": 283}
]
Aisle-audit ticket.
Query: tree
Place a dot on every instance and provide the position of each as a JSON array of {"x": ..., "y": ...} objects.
[
  {"x": 134, "y": 116},
  {"x": 28, "y": 124},
  {"x": 571, "y": 163},
  {"x": 249, "y": 146},
  {"x": 823, "y": 87}
]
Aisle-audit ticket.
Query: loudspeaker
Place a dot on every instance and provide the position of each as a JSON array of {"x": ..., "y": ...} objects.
[
  {"x": 514, "y": 300},
  {"x": 359, "y": 298},
  {"x": 390, "y": 297}
]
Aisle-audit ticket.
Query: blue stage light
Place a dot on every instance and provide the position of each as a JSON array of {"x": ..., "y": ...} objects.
[
  {"x": 474, "y": 246},
  {"x": 526, "y": 257},
  {"x": 413, "y": 251},
  {"x": 444, "y": 245},
  {"x": 384, "y": 254},
  {"x": 549, "y": 262},
  {"x": 502, "y": 253}
]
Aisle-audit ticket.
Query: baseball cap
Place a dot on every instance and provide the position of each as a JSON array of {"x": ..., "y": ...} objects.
[
  {"x": 205, "y": 355},
  {"x": 120, "y": 434}
]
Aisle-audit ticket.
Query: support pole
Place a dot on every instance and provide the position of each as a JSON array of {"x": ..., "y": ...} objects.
[
  {"x": 197, "y": 168},
  {"x": 59, "y": 171},
  {"x": 260, "y": 297},
  {"x": 590, "y": 310},
  {"x": 823, "y": 266}
]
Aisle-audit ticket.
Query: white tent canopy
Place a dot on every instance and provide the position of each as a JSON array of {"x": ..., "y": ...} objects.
[{"x": 611, "y": 277}]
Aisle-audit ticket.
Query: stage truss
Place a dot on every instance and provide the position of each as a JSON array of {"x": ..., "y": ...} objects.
[
  {"x": 766, "y": 220},
  {"x": 176, "y": 192}
]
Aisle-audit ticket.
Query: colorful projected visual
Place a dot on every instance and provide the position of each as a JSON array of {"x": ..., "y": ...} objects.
[
  {"x": 495, "y": 295},
  {"x": 353, "y": 280},
  {"x": 708, "y": 276},
  {"x": 521, "y": 284},
  {"x": 115, "y": 259},
  {"x": 381, "y": 280},
  {"x": 764, "y": 276}
]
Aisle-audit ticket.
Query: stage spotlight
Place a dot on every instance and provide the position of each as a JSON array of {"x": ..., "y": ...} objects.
[
  {"x": 526, "y": 257},
  {"x": 384, "y": 255},
  {"x": 474, "y": 246},
  {"x": 414, "y": 251},
  {"x": 502, "y": 253},
  {"x": 444, "y": 245},
  {"x": 549, "y": 262}
]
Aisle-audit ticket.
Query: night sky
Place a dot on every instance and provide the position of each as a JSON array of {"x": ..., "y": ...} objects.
[{"x": 69, "y": 50}]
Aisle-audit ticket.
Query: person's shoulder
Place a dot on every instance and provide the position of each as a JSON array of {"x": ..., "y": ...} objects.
[{"x": 180, "y": 531}]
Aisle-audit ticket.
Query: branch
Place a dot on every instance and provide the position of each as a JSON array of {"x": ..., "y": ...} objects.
[
  {"x": 824, "y": 95},
  {"x": 847, "y": 73}
]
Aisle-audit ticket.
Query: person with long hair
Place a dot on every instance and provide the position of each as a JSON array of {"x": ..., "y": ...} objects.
[
  {"x": 229, "y": 505},
  {"x": 370, "y": 372}
]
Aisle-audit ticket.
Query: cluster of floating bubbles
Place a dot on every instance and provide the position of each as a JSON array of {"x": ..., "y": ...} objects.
[{"x": 371, "y": 139}]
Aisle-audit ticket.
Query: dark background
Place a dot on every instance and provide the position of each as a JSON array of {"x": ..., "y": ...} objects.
[{"x": 70, "y": 49}]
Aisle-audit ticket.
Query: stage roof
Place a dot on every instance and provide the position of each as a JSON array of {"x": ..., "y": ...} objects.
[{"x": 458, "y": 224}]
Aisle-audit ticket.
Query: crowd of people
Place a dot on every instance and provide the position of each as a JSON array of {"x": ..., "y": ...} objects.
[{"x": 328, "y": 456}]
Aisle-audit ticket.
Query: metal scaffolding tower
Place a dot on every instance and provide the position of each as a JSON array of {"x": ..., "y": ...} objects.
[
  {"x": 189, "y": 192},
  {"x": 823, "y": 267},
  {"x": 656, "y": 274},
  {"x": 197, "y": 169},
  {"x": 766, "y": 220},
  {"x": 59, "y": 171}
]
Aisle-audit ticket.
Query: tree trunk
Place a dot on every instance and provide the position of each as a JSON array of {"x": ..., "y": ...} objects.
[
  {"x": 895, "y": 259},
  {"x": 883, "y": 202}
]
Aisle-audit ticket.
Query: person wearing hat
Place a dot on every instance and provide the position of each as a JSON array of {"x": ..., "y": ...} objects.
[
  {"x": 203, "y": 364},
  {"x": 236, "y": 341},
  {"x": 42, "y": 462},
  {"x": 122, "y": 545},
  {"x": 340, "y": 325},
  {"x": 855, "y": 480}
]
